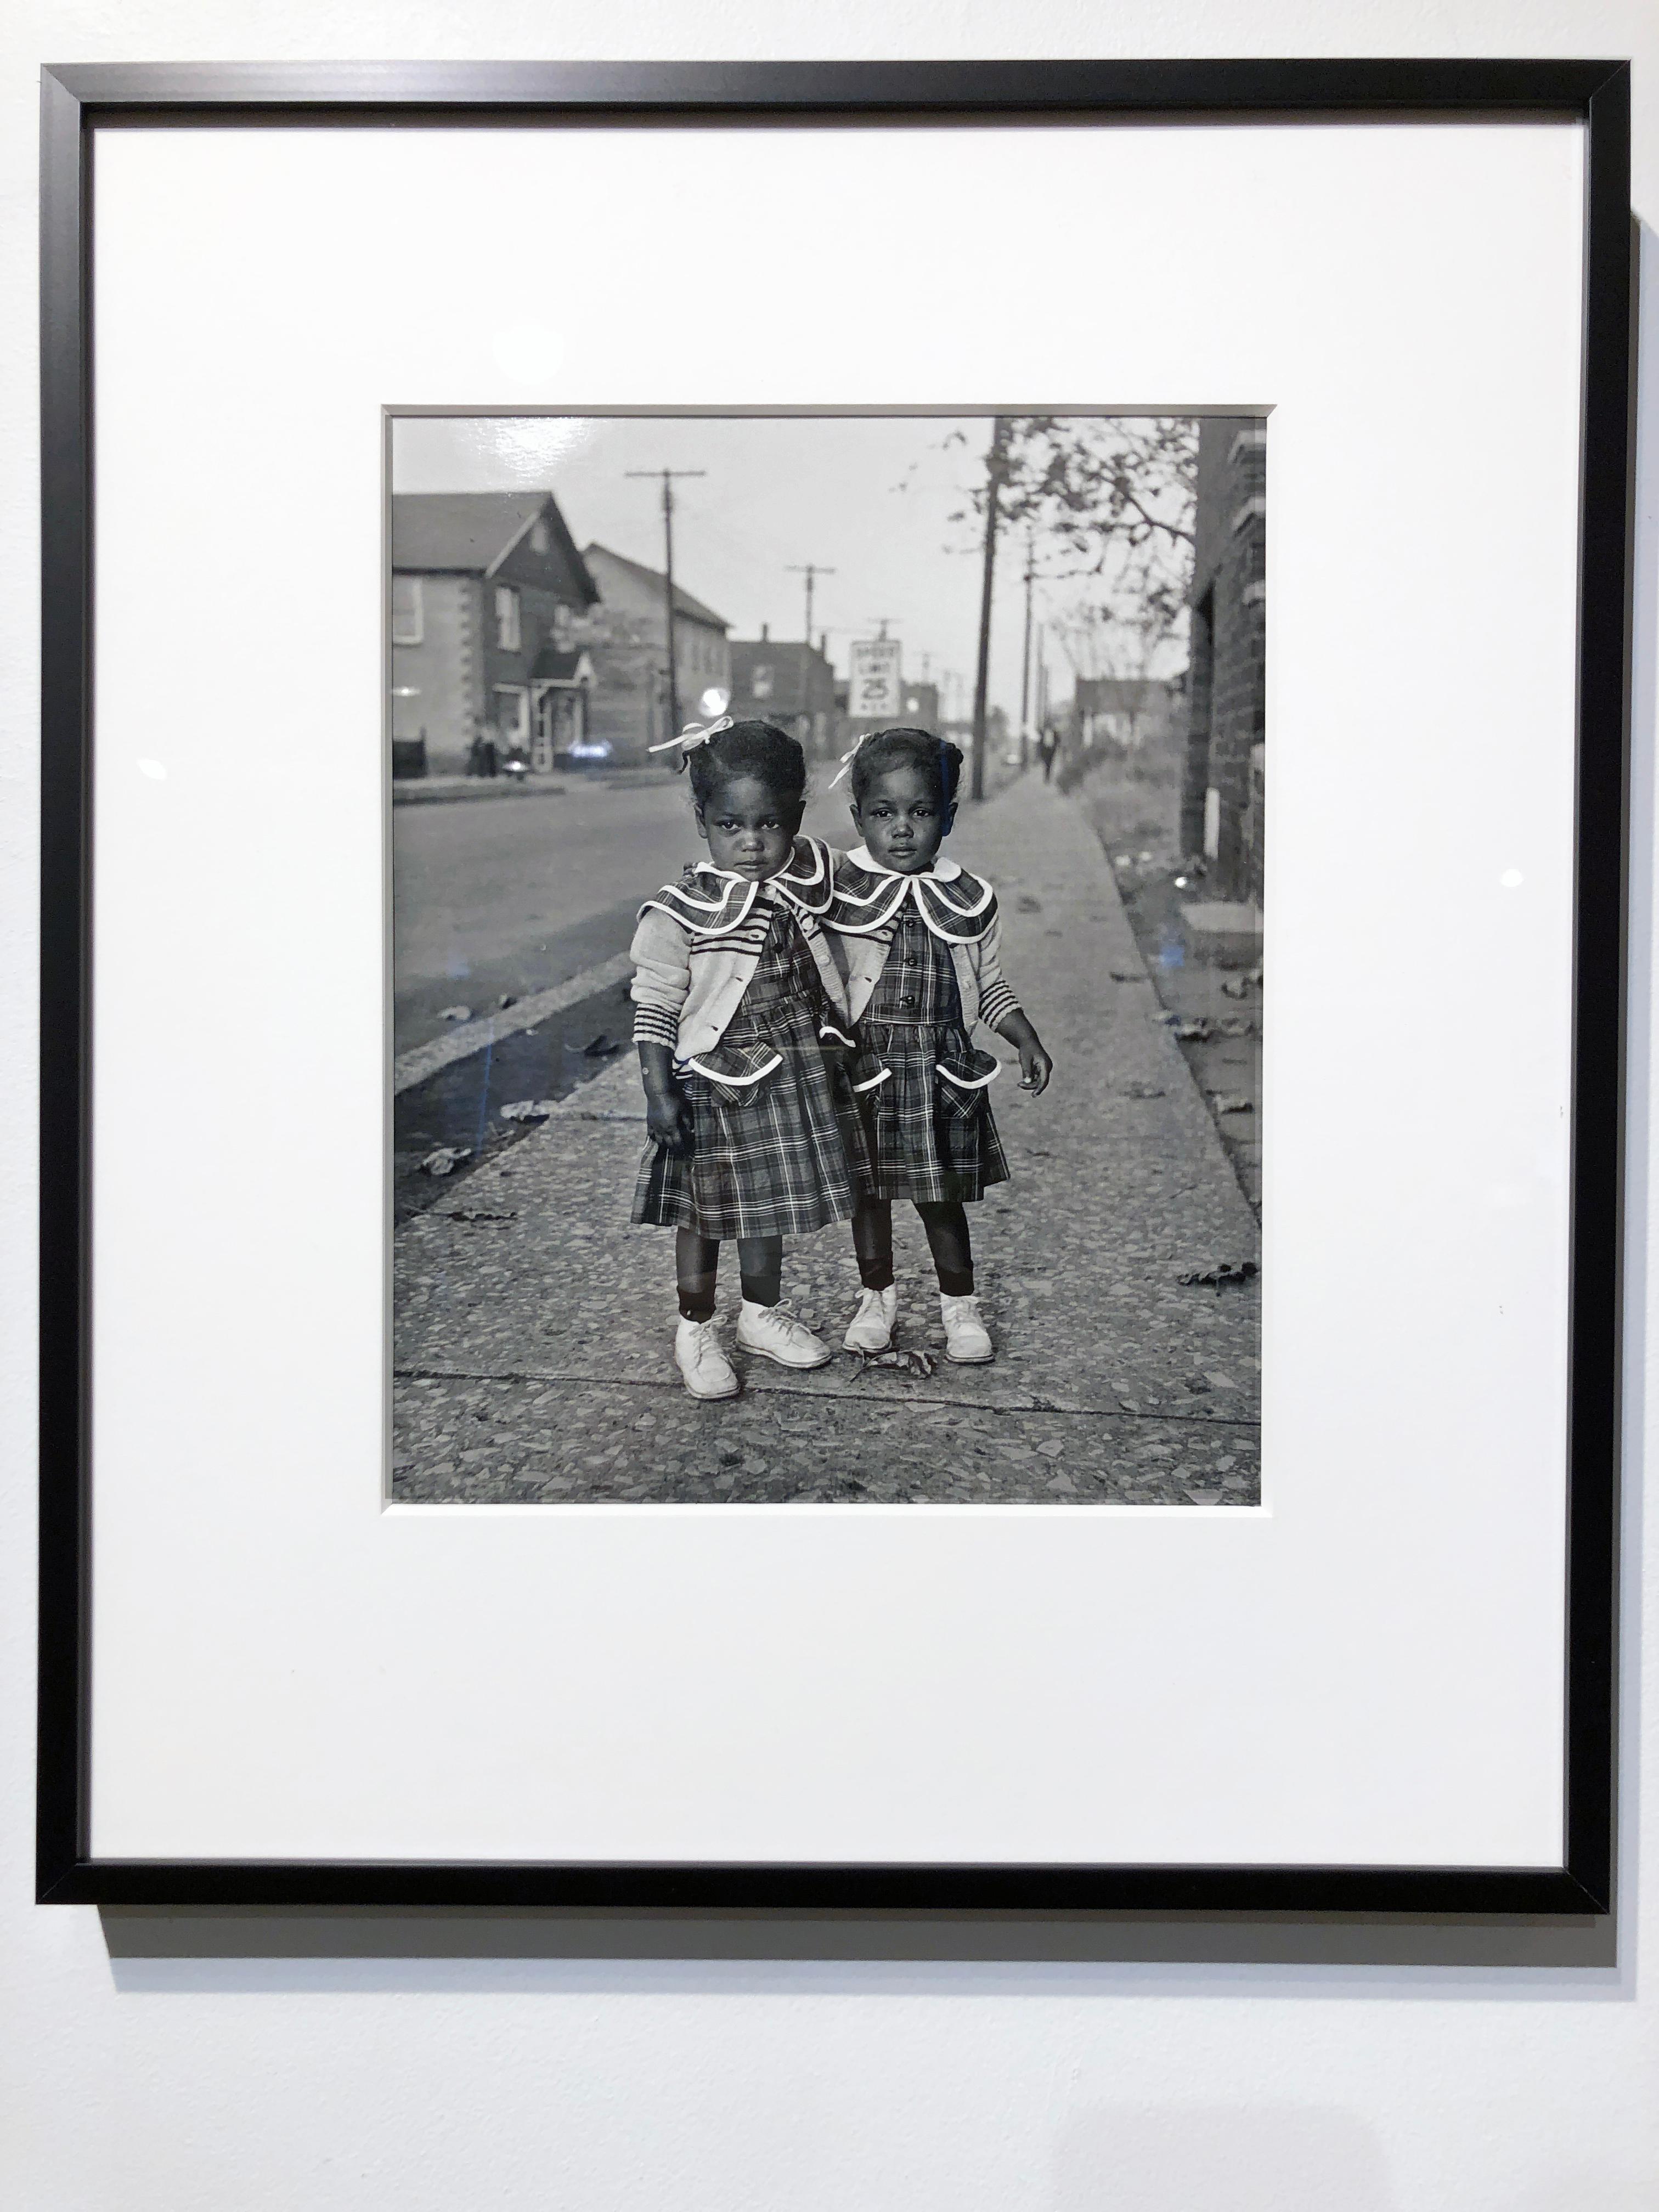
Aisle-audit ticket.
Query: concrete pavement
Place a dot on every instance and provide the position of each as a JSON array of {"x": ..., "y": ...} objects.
[{"x": 534, "y": 1327}]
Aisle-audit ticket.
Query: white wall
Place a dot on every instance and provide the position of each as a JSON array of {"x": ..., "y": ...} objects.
[{"x": 400, "y": 2066}]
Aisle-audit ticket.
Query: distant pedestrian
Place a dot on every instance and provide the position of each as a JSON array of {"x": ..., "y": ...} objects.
[
  {"x": 743, "y": 1036},
  {"x": 917, "y": 937},
  {"x": 1047, "y": 748}
]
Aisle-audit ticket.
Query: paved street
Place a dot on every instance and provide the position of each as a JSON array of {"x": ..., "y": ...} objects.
[
  {"x": 534, "y": 1326},
  {"x": 521, "y": 893}
]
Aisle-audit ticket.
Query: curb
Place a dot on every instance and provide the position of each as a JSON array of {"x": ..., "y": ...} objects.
[{"x": 429, "y": 1060}]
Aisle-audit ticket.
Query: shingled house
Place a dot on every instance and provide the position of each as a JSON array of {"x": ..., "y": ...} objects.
[
  {"x": 1223, "y": 793},
  {"x": 627, "y": 641},
  {"x": 1132, "y": 712},
  {"x": 486, "y": 590}
]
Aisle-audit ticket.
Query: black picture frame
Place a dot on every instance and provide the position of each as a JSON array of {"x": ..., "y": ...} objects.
[{"x": 74, "y": 100}]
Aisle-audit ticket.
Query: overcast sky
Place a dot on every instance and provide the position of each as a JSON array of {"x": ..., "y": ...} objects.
[{"x": 870, "y": 497}]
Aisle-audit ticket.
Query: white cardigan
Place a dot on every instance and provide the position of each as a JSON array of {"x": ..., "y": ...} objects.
[{"x": 699, "y": 941}]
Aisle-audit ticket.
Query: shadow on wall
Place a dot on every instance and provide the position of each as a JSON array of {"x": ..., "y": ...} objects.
[{"x": 1543, "y": 1960}]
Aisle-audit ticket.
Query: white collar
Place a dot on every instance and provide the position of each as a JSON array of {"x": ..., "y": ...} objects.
[
  {"x": 786, "y": 875},
  {"x": 942, "y": 868}
]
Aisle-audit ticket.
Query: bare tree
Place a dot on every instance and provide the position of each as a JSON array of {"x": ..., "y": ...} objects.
[{"x": 1109, "y": 500}]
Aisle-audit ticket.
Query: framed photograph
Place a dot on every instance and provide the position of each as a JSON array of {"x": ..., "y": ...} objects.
[{"x": 726, "y": 1219}]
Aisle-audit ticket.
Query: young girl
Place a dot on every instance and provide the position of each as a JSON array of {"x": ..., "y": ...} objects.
[
  {"x": 917, "y": 936},
  {"x": 739, "y": 1008}
]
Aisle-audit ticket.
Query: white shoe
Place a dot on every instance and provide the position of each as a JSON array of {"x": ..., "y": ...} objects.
[
  {"x": 774, "y": 1333},
  {"x": 870, "y": 1329},
  {"x": 704, "y": 1367},
  {"x": 967, "y": 1339}
]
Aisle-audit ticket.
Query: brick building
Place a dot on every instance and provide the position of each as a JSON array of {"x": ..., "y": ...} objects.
[
  {"x": 921, "y": 709},
  {"x": 487, "y": 589},
  {"x": 1222, "y": 812},
  {"x": 626, "y": 641},
  {"x": 789, "y": 683}
]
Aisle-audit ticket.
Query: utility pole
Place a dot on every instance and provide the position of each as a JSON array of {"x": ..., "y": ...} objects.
[
  {"x": 668, "y": 477},
  {"x": 808, "y": 569},
  {"x": 996, "y": 462},
  {"x": 881, "y": 621},
  {"x": 1026, "y": 663}
]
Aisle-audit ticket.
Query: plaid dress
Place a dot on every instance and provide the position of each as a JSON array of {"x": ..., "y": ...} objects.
[
  {"x": 777, "y": 1157},
  {"x": 930, "y": 1139}
]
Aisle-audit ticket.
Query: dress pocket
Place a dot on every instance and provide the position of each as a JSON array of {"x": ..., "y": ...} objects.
[
  {"x": 868, "y": 1072},
  {"x": 738, "y": 1074},
  {"x": 962, "y": 1080}
]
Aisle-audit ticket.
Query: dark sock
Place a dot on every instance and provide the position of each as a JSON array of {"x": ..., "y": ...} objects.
[
  {"x": 948, "y": 1240},
  {"x": 696, "y": 1260},
  {"x": 760, "y": 1263},
  {"x": 873, "y": 1241}
]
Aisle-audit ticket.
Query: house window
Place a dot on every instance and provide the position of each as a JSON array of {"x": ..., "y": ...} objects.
[
  {"x": 561, "y": 623},
  {"x": 507, "y": 618},
  {"x": 408, "y": 624},
  {"x": 538, "y": 535}
]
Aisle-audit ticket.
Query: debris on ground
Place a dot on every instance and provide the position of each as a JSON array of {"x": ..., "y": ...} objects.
[
  {"x": 1127, "y": 975},
  {"x": 1141, "y": 1090},
  {"x": 912, "y": 1362},
  {"x": 528, "y": 1109},
  {"x": 456, "y": 1014},
  {"x": 1240, "y": 987},
  {"x": 601, "y": 1048},
  {"x": 446, "y": 1157},
  {"x": 1026, "y": 904},
  {"x": 1227, "y": 1103},
  {"x": 1217, "y": 1277},
  {"x": 1189, "y": 1028},
  {"x": 507, "y": 999}
]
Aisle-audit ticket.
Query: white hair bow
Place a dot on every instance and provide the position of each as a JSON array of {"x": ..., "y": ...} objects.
[
  {"x": 847, "y": 758},
  {"x": 693, "y": 735}
]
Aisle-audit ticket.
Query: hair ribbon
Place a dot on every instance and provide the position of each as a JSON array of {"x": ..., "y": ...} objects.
[
  {"x": 847, "y": 758},
  {"x": 693, "y": 735}
]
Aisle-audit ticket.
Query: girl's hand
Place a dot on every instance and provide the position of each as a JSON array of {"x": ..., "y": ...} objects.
[
  {"x": 668, "y": 1118},
  {"x": 1035, "y": 1067}
]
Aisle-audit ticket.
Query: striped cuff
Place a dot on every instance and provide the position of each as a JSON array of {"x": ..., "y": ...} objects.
[
  {"x": 656, "y": 1025},
  {"x": 998, "y": 1003}
]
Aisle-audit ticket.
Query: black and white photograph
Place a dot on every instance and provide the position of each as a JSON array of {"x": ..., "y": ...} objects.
[{"x": 828, "y": 908}]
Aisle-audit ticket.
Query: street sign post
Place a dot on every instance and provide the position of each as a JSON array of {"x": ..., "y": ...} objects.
[{"x": 875, "y": 688}]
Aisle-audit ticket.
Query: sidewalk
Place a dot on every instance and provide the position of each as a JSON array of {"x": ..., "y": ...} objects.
[{"x": 534, "y": 1327}]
